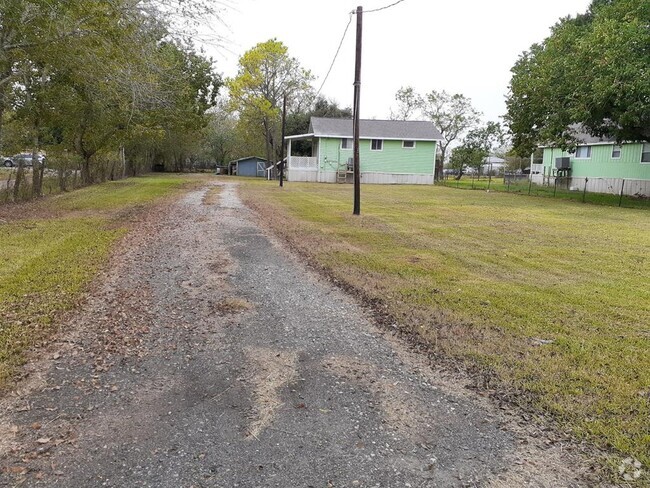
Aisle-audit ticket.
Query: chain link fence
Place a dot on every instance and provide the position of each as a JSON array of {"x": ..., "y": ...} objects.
[{"x": 617, "y": 192}]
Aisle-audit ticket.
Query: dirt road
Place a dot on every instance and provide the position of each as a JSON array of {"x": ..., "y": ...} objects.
[{"x": 210, "y": 356}]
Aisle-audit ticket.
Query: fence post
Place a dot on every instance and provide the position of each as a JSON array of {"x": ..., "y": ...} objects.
[
  {"x": 584, "y": 191},
  {"x": 489, "y": 179},
  {"x": 555, "y": 187},
  {"x": 530, "y": 184},
  {"x": 620, "y": 198}
]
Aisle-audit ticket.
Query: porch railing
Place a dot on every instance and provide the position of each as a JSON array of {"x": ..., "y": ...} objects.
[{"x": 303, "y": 163}]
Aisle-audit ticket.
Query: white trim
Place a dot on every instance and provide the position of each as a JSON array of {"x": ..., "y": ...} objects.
[
  {"x": 299, "y": 136},
  {"x": 643, "y": 144},
  {"x": 377, "y": 150},
  {"x": 599, "y": 143},
  {"x": 620, "y": 151},
  {"x": 588, "y": 151},
  {"x": 246, "y": 159},
  {"x": 346, "y": 148},
  {"x": 409, "y": 140}
]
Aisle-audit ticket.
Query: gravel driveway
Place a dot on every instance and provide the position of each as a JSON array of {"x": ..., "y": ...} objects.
[{"x": 210, "y": 356}]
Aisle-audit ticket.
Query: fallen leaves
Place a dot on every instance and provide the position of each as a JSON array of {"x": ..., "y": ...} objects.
[{"x": 15, "y": 470}]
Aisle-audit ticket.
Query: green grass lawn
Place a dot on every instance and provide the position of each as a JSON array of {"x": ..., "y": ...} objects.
[
  {"x": 54, "y": 249},
  {"x": 547, "y": 301}
]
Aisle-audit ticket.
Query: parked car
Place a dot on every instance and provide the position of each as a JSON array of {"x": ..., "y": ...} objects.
[{"x": 26, "y": 158}]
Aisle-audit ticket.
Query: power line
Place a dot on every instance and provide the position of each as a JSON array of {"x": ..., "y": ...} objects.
[
  {"x": 337, "y": 53},
  {"x": 382, "y": 8}
]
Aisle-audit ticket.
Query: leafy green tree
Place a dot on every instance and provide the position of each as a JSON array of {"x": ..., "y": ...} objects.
[
  {"x": 478, "y": 144},
  {"x": 266, "y": 74},
  {"x": 298, "y": 122},
  {"x": 591, "y": 71},
  {"x": 464, "y": 157},
  {"x": 453, "y": 115},
  {"x": 185, "y": 87},
  {"x": 93, "y": 76}
]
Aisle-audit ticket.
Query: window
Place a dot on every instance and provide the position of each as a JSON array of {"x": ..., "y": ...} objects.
[
  {"x": 376, "y": 145},
  {"x": 346, "y": 143},
  {"x": 408, "y": 144},
  {"x": 616, "y": 152},
  {"x": 583, "y": 152},
  {"x": 645, "y": 153}
]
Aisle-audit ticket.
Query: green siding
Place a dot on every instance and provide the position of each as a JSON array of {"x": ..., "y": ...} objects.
[
  {"x": 392, "y": 159},
  {"x": 601, "y": 164}
]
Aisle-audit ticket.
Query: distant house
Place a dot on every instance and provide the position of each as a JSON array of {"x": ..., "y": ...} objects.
[
  {"x": 493, "y": 165},
  {"x": 249, "y": 166},
  {"x": 599, "y": 163},
  {"x": 390, "y": 151}
]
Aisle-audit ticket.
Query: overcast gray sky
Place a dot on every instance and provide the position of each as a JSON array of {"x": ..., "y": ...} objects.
[{"x": 462, "y": 46}]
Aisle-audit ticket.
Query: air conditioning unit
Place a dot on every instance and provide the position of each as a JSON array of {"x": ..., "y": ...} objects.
[{"x": 562, "y": 163}]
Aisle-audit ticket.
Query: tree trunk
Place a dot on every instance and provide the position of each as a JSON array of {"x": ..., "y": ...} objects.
[
  {"x": 123, "y": 161},
  {"x": 20, "y": 176},
  {"x": 86, "y": 177},
  {"x": 111, "y": 175},
  {"x": 2, "y": 114},
  {"x": 37, "y": 167},
  {"x": 440, "y": 164},
  {"x": 61, "y": 178}
]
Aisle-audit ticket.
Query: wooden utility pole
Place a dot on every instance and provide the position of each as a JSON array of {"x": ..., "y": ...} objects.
[
  {"x": 284, "y": 125},
  {"x": 355, "y": 115}
]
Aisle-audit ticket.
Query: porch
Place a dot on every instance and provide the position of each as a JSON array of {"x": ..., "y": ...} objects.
[{"x": 302, "y": 168}]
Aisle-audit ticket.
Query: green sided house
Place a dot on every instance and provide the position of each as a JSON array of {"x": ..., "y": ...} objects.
[
  {"x": 390, "y": 152},
  {"x": 600, "y": 164}
]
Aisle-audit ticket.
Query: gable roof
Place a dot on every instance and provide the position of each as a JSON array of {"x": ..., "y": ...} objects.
[
  {"x": 493, "y": 160},
  {"x": 583, "y": 138},
  {"x": 418, "y": 130},
  {"x": 253, "y": 158}
]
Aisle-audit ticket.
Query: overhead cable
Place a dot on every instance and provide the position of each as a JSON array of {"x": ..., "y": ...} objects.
[
  {"x": 382, "y": 8},
  {"x": 335, "y": 55}
]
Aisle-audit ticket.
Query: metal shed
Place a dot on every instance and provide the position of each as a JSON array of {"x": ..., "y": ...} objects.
[{"x": 249, "y": 166}]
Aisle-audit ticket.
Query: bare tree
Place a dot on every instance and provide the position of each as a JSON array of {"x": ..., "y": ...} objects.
[
  {"x": 409, "y": 104},
  {"x": 453, "y": 115}
]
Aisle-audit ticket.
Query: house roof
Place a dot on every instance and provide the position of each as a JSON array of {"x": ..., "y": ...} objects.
[
  {"x": 493, "y": 160},
  {"x": 584, "y": 138},
  {"x": 247, "y": 158},
  {"x": 417, "y": 130}
]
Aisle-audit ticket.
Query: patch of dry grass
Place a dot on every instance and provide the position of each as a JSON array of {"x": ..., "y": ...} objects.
[
  {"x": 546, "y": 300},
  {"x": 274, "y": 370},
  {"x": 211, "y": 196},
  {"x": 232, "y": 305}
]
